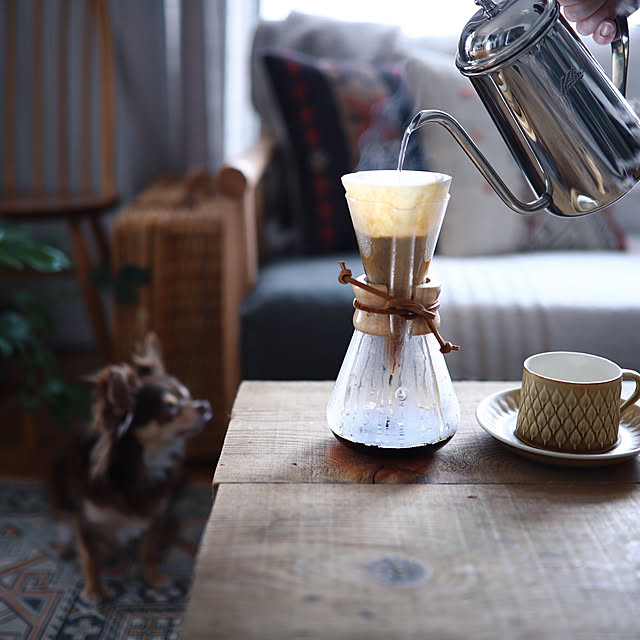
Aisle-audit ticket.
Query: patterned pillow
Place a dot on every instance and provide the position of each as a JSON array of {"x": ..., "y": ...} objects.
[
  {"x": 340, "y": 116},
  {"x": 596, "y": 232}
]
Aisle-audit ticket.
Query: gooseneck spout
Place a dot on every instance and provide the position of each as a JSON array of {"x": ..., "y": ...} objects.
[{"x": 481, "y": 163}]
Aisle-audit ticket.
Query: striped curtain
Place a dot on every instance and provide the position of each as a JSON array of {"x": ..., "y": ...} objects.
[
  {"x": 208, "y": 47},
  {"x": 181, "y": 95},
  {"x": 183, "y": 83}
]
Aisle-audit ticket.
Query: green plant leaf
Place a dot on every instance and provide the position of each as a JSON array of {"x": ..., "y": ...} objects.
[
  {"x": 53, "y": 386},
  {"x": 8, "y": 260},
  {"x": 6, "y": 348},
  {"x": 125, "y": 282},
  {"x": 42, "y": 257},
  {"x": 13, "y": 235},
  {"x": 125, "y": 294},
  {"x": 134, "y": 275},
  {"x": 19, "y": 248},
  {"x": 26, "y": 323},
  {"x": 14, "y": 328}
]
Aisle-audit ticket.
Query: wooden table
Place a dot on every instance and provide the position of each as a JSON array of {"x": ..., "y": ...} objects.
[{"x": 309, "y": 539}]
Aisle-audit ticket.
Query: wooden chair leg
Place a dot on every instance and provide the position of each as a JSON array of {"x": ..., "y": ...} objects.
[
  {"x": 101, "y": 239},
  {"x": 92, "y": 298}
]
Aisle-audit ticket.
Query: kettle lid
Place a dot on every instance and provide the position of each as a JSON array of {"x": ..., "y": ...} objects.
[{"x": 501, "y": 31}]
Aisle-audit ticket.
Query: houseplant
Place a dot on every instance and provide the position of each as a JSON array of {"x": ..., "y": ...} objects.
[{"x": 26, "y": 321}]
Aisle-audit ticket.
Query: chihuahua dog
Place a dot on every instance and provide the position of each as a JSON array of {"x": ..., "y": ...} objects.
[{"x": 114, "y": 484}]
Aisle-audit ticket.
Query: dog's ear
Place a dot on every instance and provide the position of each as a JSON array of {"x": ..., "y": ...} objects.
[
  {"x": 147, "y": 358},
  {"x": 110, "y": 383},
  {"x": 120, "y": 388},
  {"x": 114, "y": 388},
  {"x": 98, "y": 378},
  {"x": 120, "y": 397}
]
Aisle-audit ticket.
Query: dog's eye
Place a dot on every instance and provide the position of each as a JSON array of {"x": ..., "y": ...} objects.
[{"x": 172, "y": 409}]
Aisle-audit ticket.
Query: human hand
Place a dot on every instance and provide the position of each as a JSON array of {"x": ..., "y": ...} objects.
[{"x": 596, "y": 17}]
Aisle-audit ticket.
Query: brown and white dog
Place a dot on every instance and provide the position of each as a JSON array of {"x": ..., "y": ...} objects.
[{"x": 116, "y": 481}]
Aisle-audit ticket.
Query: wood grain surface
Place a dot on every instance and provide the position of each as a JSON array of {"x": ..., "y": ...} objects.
[
  {"x": 309, "y": 539},
  {"x": 418, "y": 561},
  {"x": 279, "y": 433}
]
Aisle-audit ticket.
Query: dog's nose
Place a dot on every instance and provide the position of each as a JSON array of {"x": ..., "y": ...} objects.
[{"x": 204, "y": 408}]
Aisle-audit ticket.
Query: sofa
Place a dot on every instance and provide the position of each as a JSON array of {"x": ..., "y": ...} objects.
[{"x": 512, "y": 285}]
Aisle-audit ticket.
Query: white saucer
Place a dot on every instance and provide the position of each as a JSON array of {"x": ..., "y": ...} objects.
[{"x": 498, "y": 416}]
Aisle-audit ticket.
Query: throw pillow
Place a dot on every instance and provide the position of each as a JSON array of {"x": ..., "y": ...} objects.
[
  {"x": 340, "y": 116},
  {"x": 477, "y": 222},
  {"x": 318, "y": 37}
]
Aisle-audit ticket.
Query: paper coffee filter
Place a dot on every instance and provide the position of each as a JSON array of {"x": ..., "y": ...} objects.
[{"x": 389, "y": 202}]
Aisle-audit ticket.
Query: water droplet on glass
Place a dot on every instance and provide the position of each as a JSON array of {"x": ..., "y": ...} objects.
[{"x": 401, "y": 393}]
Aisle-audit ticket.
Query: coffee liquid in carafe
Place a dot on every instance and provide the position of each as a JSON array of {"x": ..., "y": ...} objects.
[{"x": 393, "y": 391}]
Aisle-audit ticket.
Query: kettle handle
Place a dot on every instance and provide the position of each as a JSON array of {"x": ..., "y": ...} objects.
[
  {"x": 481, "y": 163},
  {"x": 620, "y": 55}
]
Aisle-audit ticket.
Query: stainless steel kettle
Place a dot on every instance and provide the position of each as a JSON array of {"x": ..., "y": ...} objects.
[{"x": 568, "y": 126}]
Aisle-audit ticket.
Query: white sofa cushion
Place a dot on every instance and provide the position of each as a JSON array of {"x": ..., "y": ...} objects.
[{"x": 501, "y": 309}]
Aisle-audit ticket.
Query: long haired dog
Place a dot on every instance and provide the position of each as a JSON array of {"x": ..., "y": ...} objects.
[{"x": 114, "y": 484}]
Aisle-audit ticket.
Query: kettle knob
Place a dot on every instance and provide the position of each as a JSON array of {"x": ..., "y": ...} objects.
[{"x": 488, "y": 6}]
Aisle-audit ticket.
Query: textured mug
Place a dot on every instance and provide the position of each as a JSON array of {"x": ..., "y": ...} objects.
[{"x": 572, "y": 401}]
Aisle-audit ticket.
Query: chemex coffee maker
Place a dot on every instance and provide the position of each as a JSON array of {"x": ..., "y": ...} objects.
[
  {"x": 568, "y": 126},
  {"x": 393, "y": 392},
  {"x": 577, "y": 141}
]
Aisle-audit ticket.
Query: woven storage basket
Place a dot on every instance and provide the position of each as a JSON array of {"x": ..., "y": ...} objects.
[{"x": 190, "y": 239}]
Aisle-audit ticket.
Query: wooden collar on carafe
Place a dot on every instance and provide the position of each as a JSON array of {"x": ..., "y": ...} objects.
[{"x": 373, "y": 304}]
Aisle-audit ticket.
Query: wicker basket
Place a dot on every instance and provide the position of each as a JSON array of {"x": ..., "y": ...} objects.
[{"x": 190, "y": 238}]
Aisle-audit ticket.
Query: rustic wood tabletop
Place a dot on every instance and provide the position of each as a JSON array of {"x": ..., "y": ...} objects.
[{"x": 310, "y": 539}]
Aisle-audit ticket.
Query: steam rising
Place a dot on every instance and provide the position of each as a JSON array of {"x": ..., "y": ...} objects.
[{"x": 379, "y": 144}]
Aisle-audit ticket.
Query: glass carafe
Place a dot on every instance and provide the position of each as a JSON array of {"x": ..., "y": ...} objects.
[{"x": 393, "y": 391}]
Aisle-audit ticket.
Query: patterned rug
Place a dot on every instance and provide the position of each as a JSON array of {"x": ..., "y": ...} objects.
[{"x": 39, "y": 593}]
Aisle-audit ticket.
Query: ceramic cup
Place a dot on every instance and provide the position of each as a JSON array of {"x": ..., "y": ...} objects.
[{"x": 572, "y": 401}]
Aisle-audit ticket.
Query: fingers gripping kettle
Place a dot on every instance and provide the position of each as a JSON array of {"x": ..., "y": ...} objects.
[{"x": 569, "y": 127}]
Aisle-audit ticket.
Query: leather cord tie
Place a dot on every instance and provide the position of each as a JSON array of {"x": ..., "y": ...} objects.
[{"x": 402, "y": 307}]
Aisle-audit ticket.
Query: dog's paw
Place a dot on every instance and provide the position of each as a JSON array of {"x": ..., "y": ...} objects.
[
  {"x": 92, "y": 597},
  {"x": 157, "y": 579},
  {"x": 97, "y": 595}
]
